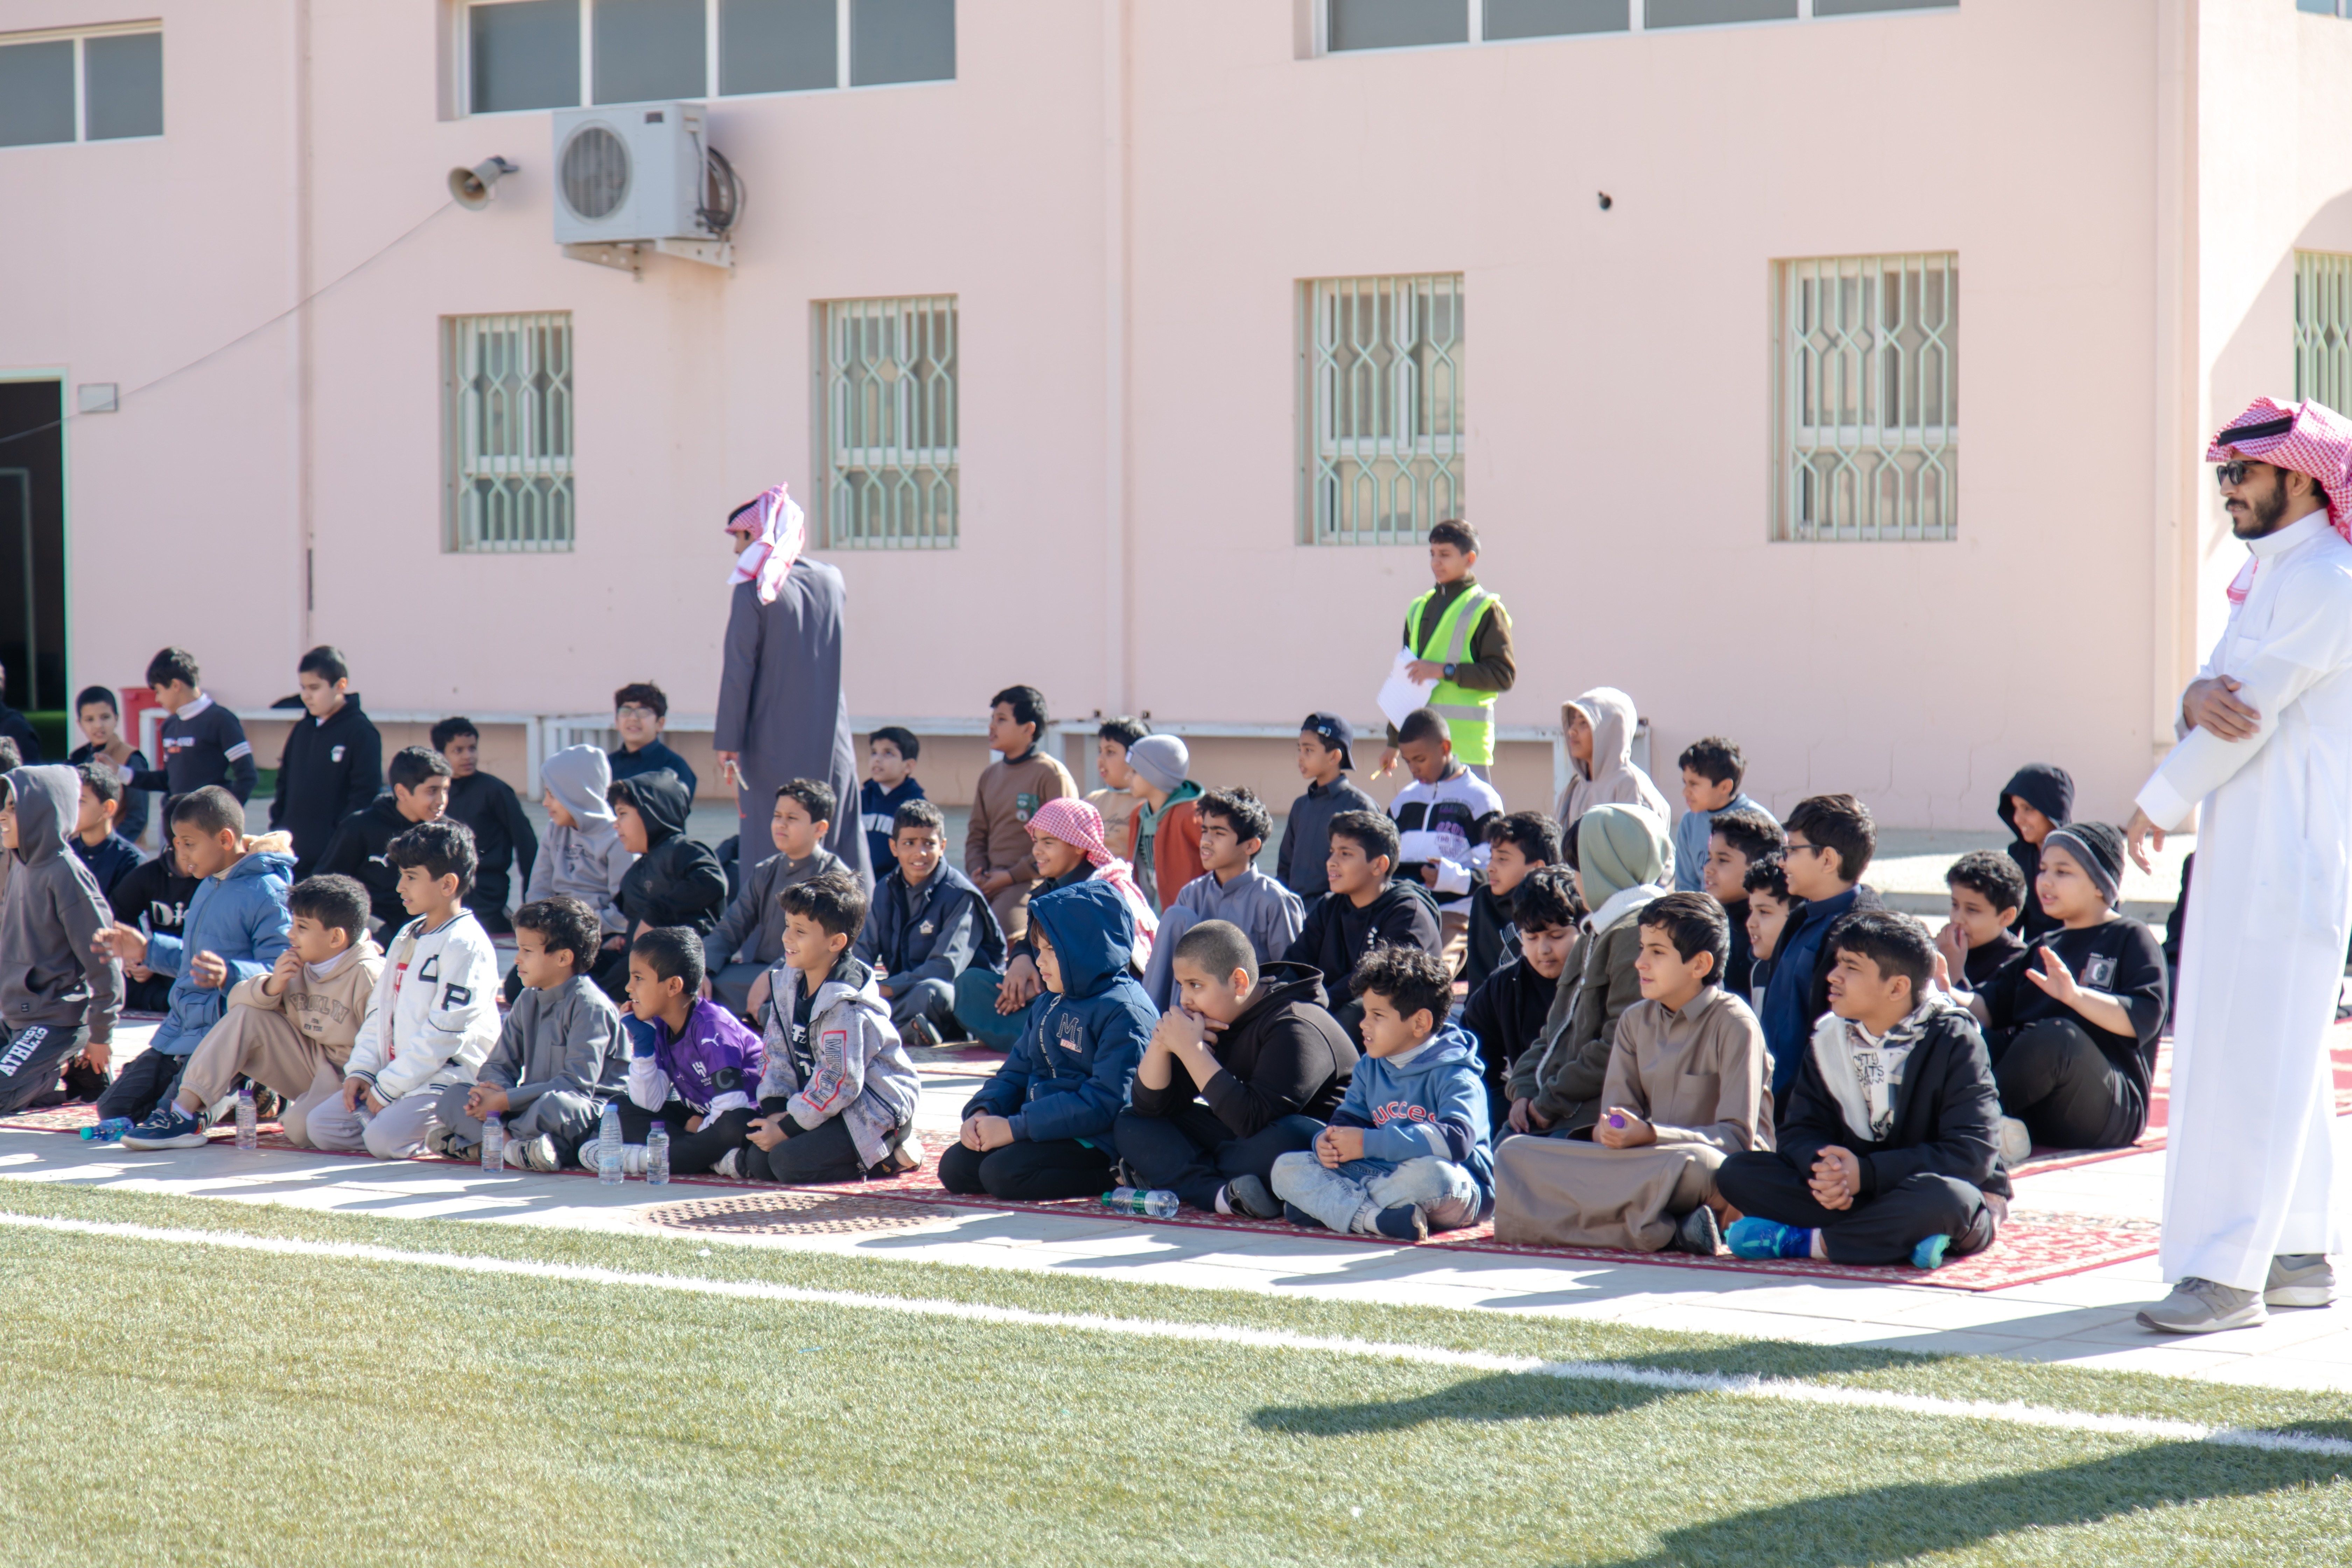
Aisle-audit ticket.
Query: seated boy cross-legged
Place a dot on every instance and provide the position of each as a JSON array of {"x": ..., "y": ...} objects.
[
  {"x": 1246, "y": 1068},
  {"x": 838, "y": 1093},
  {"x": 433, "y": 1016},
  {"x": 928, "y": 929},
  {"x": 693, "y": 1066},
  {"x": 748, "y": 940},
  {"x": 291, "y": 1030},
  {"x": 1365, "y": 910},
  {"x": 560, "y": 1058},
  {"x": 1889, "y": 1145},
  {"x": 1407, "y": 1152},
  {"x": 1041, "y": 1128},
  {"x": 1685, "y": 1089},
  {"x": 1736, "y": 840},
  {"x": 1506, "y": 1014},
  {"x": 1988, "y": 899}
]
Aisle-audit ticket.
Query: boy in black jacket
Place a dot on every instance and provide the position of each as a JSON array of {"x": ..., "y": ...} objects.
[
  {"x": 333, "y": 764},
  {"x": 1247, "y": 1067},
  {"x": 202, "y": 741},
  {"x": 676, "y": 880},
  {"x": 1365, "y": 910},
  {"x": 1506, "y": 1013},
  {"x": 109, "y": 854},
  {"x": 503, "y": 835},
  {"x": 1516, "y": 844},
  {"x": 153, "y": 897},
  {"x": 1889, "y": 1146},
  {"x": 419, "y": 793}
]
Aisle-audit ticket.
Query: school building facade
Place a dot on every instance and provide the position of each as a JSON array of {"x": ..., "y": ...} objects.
[{"x": 1127, "y": 348}]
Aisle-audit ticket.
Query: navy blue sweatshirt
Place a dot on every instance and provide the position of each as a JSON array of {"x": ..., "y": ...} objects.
[
  {"x": 203, "y": 744},
  {"x": 628, "y": 764},
  {"x": 878, "y": 810}
]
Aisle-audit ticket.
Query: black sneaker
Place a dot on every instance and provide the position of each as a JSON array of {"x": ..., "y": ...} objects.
[
  {"x": 1699, "y": 1233},
  {"x": 1297, "y": 1215},
  {"x": 1248, "y": 1196}
]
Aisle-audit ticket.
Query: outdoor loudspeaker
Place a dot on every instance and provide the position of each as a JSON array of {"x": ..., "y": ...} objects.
[{"x": 470, "y": 188}]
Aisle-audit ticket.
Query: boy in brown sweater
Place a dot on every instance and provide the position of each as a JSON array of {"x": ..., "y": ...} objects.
[
  {"x": 291, "y": 1030},
  {"x": 996, "y": 846}
]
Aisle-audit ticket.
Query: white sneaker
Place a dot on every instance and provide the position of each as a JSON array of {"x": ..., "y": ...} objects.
[
  {"x": 2203, "y": 1307},
  {"x": 2016, "y": 1142},
  {"x": 727, "y": 1166},
  {"x": 2299, "y": 1279}
]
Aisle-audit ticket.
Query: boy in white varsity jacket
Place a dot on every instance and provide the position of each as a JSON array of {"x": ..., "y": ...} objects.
[
  {"x": 837, "y": 1095},
  {"x": 434, "y": 1015},
  {"x": 1442, "y": 819}
]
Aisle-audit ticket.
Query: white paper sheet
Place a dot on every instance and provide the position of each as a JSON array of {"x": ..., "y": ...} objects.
[{"x": 1400, "y": 696}]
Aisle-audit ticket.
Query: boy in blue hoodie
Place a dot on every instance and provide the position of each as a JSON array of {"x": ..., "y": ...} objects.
[
  {"x": 1408, "y": 1151},
  {"x": 1040, "y": 1127},
  {"x": 238, "y": 925}
]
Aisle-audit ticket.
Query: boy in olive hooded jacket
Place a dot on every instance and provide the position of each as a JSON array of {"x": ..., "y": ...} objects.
[{"x": 57, "y": 997}]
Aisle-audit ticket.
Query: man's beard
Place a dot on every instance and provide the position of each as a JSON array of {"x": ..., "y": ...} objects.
[{"x": 2261, "y": 517}]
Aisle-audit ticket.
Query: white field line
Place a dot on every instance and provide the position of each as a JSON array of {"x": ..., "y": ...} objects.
[{"x": 1737, "y": 1386}]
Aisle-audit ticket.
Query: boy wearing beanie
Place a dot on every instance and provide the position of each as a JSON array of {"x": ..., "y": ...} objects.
[
  {"x": 1167, "y": 824},
  {"x": 2072, "y": 1022}
]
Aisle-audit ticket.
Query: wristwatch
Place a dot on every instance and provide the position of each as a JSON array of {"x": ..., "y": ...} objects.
[{"x": 1450, "y": 670}]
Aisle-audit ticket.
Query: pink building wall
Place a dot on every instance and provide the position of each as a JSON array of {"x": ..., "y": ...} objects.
[{"x": 1124, "y": 198}]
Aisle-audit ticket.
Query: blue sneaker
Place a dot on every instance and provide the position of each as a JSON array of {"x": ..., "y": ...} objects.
[
  {"x": 167, "y": 1127},
  {"x": 1756, "y": 1238},
  {"x": 1929, "y": 1253}
]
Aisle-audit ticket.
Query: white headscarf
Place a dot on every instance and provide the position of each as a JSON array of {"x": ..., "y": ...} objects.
[{"x": 777, "y": 533}]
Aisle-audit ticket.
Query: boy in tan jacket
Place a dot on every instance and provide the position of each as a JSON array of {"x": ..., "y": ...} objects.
[{"x": 293, "y": 1029}]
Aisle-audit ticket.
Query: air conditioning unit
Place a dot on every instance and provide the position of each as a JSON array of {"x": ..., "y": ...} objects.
[{"x": 631, "y": 177}]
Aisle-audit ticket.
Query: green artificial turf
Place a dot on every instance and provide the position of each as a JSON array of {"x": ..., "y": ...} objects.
[{"x": 197, "y": 1405}]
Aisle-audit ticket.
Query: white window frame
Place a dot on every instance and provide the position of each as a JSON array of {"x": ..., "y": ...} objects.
[
  {"x": 81, "y": 37},
  {"x": 2323, "y": 327},
  {"x": 464, "y": 61},
  {"x": 464, "y": 464},
  {"x": 1858, "y": 353},
  {"x": 1338, "y": 474},
  {"x": 1636, "y": 21},
  {"x": 929, "y": 477}
]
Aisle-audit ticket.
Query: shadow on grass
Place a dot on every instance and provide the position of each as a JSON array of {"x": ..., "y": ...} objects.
[{"x": 1900, "y": 1521}]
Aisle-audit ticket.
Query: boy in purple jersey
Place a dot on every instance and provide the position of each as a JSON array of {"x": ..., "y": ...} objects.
[{"x": 693, "y": 1066}]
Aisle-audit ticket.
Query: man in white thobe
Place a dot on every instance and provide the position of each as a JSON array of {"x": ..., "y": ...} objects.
[{"x": 2265, "y": 747}]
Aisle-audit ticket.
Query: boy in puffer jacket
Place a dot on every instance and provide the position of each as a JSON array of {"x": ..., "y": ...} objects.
[
  {"x": 432, "y": 1016},
  {"x": 838, "y": 1093},
  {"x": 1041, "y": 1128},
  {"x": 1408, "y": 1152}
]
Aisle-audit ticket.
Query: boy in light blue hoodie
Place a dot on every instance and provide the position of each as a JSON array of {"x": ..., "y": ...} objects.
[{"x": 1408, "y": 1152}]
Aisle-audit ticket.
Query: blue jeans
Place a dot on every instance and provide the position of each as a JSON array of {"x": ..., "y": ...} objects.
[
  {"x": 1446, "y": 1195},
  {"x": 975, "y": 1008}
]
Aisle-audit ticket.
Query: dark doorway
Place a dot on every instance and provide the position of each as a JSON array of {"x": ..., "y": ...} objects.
[{"x": 33, "y": 544}]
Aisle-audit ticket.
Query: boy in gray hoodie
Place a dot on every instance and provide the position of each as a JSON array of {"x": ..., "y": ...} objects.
[
  {"x": 59, "y": 991},
  {"x": 582, "y": 855},
  {"x": 560, "y": 1056},
  {"x": 838, "y": 1093}
]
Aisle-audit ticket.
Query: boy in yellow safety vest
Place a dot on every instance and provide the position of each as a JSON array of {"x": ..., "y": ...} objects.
[{"x": 1460, "y": 636}]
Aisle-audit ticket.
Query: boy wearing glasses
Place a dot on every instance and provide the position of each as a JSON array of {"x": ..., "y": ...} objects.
[
  {"x": 640, "y": 709},
  {"x": 1830, "y": 838}
]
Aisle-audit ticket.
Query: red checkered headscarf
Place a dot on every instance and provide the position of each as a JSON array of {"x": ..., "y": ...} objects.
[
  {"x": 2304, "y": 438},
  {"x": 778, "y": 531},
  {"x": 1076, "y": 822}
]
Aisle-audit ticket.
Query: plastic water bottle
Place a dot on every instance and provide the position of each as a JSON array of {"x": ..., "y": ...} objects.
[
  {"x": 608, "y": 1146},
  {"x": 109, "y": 1130},
  {"x": 1156, "y": 1204},
  {"x": 657, "y": 1155},
  {"x": 248, "y": 1121},
  {"x": 494, "y": 1144}
]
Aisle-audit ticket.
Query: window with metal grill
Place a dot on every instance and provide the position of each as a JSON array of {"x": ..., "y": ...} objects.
[
  {"x": 507, "y": 391},
  {"x": 886, "y": 422},
  {"x": 2323, "y": 328},
  {"x": 1868, "y": 398},
  {"x": 1382, "y": 437}
]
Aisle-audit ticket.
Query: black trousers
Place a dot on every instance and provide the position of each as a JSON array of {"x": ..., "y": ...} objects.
[
  {"x": 34, "y": 1057},
  {"x": 1192, "y": 1153},
  {"x": 152, "y": 995},
  {"x": 1882, "y": 1228},
  {"x": 691, "y": 1153},
  {"x": 2054, "y": 1077},
  {"x": 1028, "y": 1172},
  {"x": 824, "y": 1153},
  {"x": 142, "y": 1086}
]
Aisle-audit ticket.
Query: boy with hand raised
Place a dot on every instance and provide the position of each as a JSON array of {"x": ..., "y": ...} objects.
[
  {"x": 1685, "y": 1089},
  {"x": 1988, "y": 899},
  {"x": 1889, "y": 1142},
  {"x": 1325, "y": 753},
  {"x": 1407, "y": 1152},
  {"x": 291, "y": 1030},
  {"x": 1365, "y": 910},
  {"x": 431, "y": 1019},
  {"x": 1244, "y": 1069},
  {"x": 236, "y": 929},
  {"x": 561, "y": 1057},
  {"x": 838, "y": 1092}
]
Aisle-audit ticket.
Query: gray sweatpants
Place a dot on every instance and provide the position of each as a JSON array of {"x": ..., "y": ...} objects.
[
  {"x": 396, "y": 1132},
  {"x": 932, "y": 999},
  {"x": 731, "y": 985},
  {"x": 561, "y": 1114}
]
